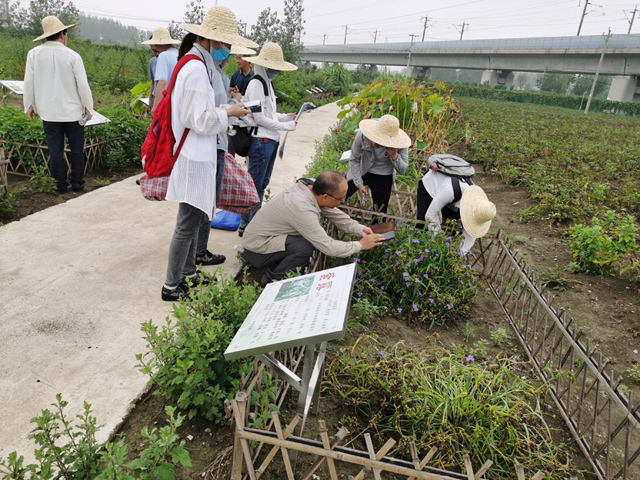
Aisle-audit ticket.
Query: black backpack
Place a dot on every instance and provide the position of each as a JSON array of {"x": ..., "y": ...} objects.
[
  {"x": 456, "y": 168},
  {"x": 240, "y": 137}
]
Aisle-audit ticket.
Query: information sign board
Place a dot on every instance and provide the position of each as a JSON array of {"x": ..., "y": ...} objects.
[
  {"x": 14, "y": 86},
  {"x": 298, "y": 311}
]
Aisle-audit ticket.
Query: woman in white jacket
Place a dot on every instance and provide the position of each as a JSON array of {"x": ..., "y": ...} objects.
[{"x": 193, "y": 179}]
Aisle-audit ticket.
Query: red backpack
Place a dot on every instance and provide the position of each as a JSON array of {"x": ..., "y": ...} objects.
[{"x": 157, "y": 150}]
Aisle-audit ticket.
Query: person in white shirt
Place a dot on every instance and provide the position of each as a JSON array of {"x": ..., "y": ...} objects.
[
  {"x": 193, "y": 178},
  {"x": 266, "y": 137},
  {"x": 436, "y": 196},
  {"x": 56, "y": 89}
]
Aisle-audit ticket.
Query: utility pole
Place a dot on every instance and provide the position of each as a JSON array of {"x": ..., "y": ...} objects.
[
  {"x": 412, "y": 35},
  {"x": 584, "y": 14},
  {"x": 324, "y": 37},
  {"x": 424, "y": 30},
  {"x": 375, "y": 36},
  {"x": 633, "y": 16},
  {"x": 462, "y": 31},
  {"x": 345, "y": 34},
  {"x": 595, "y": 78}
]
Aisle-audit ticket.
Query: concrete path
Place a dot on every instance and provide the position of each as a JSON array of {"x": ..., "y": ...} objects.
[{"x": 76, "y": 282}]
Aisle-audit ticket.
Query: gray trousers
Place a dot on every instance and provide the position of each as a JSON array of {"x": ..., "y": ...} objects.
[{"x": 297, "y": 253}]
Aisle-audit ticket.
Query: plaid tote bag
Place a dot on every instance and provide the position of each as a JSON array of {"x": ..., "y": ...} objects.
[
  {"x": 238, "y": 193},
  {"x": 154, "y": 189}
]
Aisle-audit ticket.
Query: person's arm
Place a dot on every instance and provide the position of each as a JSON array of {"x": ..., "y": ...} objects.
[
  {"x": 307, "y": 225},
  {"x": 355, "y": 163},
  {"x": 399, "y": 159},
  {"x": 444, "y": 196},
  {"x": 83, "y": 85},
  {"x": 255, "y": 92},
  {"x": 29, "y": 89},
  {"x": 161, "y": 86}
]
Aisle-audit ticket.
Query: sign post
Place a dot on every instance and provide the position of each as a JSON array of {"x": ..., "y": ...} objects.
[{"x": 303, "y": 311}]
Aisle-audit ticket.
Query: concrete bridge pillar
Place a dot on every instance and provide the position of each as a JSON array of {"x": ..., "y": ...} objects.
[
  {"x": 497, "y": 77},
  {"x": 363, "y": 67},
  {"x": 414, "y": 71},
  {"x": 624, "y": 89}
]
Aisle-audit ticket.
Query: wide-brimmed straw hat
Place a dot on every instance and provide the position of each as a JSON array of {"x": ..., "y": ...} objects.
[
  {"x": 240, "y": 50},
  {"x": 219, "y": 24},
  {"x": 476, "y": 211},
  {"x": 270, "y": 56},
  {"x": 385, "y": 131},
  {"x": 51, "y": 25},
  {"x": 161, "y": 36}
]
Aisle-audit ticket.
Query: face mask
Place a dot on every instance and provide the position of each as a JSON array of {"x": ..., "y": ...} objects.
[
  {"x": 272, "y": 74},
  {"x": 220, "y": 54}
]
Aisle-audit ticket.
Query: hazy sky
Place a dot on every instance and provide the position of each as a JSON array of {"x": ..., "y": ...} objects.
[{"x": 396, "y": 20}]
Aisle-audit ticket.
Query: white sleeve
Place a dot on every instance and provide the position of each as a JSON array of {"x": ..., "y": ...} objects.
[
  {"x": 443, "y": 197},
  {"x": 196, "y": 88},
  {"x": 256, "y": 92}
]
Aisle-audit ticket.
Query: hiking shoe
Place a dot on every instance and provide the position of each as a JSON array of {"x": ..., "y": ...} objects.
[
  {"x": 241, "y": 231},
  {"x": 77, "y": 187},
  {"x": 210, "y": 259},
  {"x": 200, "y": 279},
  {"x": 174, "y": 295}
]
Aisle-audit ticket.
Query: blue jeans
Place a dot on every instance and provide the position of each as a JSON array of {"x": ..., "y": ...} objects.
[
  {"x": 182, "y": 251},
  {"x": 262, "y": 157},
  {"x": 55, "y": 133},
  {"x": 205, "y": 228}
]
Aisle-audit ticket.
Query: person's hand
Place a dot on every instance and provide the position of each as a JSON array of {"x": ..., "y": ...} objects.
[
  {"x": 88, "y": 112},
  {"x": 362, "y": 191},
  {"x": 31, "y": 113},
  {"x": 393, "y": 153},
  {"x": 367, "y": 231},
  {"x": 237, "y": 110},
  {"x": 236, "y": 95},
  {"x": 370, "y": 241}
]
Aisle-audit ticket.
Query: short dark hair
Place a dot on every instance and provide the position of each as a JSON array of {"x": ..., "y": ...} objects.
[
  {"x": 328, "y": 182},
  {"x": 56, "y": 36}
]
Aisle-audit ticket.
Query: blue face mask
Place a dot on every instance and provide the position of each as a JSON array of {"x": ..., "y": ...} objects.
[{"x": 220, "y": 54}]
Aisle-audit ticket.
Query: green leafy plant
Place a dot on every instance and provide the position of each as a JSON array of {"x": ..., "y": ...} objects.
[
  {"x": 468, "y": 331},
  {"x": 499, "y": 336},
  {"x": 43, "y": 182},
  {"x": 6, "y": 203},
  {"x": 634, "y": 372},
  {"x": 185, "y": 357},
  {"x": 479, "y": 350},
  {"x": 597, "y": 248},
  {"x": 440, "y": 399}
]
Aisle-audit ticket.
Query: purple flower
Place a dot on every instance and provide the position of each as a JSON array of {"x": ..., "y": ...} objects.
[
  {"x": 382, "y": 288},
  {"x": 426, "y": 275},
  {"x": 356, "y": 260},
  {"x": 398, "y": 252},
  {"x": 447, "y": 244},
  {"x": 415, "y": 307},
  {"x": 405, "y": 274},
  {"x": 470, "y": 358},
  {"x": 431, "y": 300},
  {"x": 359, "y": 294},
  {"x": 400, "y": 358},
  {"x": 408, "y": 284},
  {"x": 373, "y": 281},
  {"x": 449, "y": 306},
  {"x": 417, "y": 280},
  {"x": 382, "y": 353},
  {"x": 399, "y": 310},
  {"x": 491, "y": 443},
  {"x": 415, "y": 241},
  {"x": 359, "y": 272},
  {"x": 426, "y": 250}
]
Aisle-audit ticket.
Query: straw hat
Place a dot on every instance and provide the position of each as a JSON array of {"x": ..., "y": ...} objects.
[
  {"x": 476, "y": 211},
  {"x": 240, "y": 50},
  {"x": 161, "y": 36},
  {"x": 219, "y": 24},
  {"x": 385, "y": 131},
  {"x": 271, "y": 57},
  {"x": 51, "y": 25}
]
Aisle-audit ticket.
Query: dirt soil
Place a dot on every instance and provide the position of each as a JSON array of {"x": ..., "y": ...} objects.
[{"x": 603, "y": 307}]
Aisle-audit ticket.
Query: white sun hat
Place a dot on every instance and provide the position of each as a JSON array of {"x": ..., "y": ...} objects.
[
  {"x": 385, "y": 131},
  {"x": 219, "y": 24},
  {"x": 51, "y": 25},
  {"x": 161, "y": 36},
  {"x": 476, "y": 211},
  {"x": 270, "y": 56}
]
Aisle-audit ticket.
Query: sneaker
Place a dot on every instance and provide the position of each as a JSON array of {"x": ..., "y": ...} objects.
[
  {"x": 174, "y": 295},
  {"x": 241, "y": 231},
  {"x": 200, "y": 279},
  {"x": 210, "y": 259},
  {"x": 77, "y": 187}
]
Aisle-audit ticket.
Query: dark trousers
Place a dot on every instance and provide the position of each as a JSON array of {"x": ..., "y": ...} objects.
[
  {"x": 424, "y": 200},
  {"x": 297, "y": 253},
  {"x": 380, "y": 186},
  {"x": 205, "y": 228},
  {"x": 55, "y": 133}
]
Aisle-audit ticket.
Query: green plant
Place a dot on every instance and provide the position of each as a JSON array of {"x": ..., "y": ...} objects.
[
  {"x": 6, "y": 203},
  {"x": 185, "y": 357},
  {"x": 479, "y": 350},
  {"x": 634, "y": 372},
  {"x": 44, "y": 183},
  {"x": 263, "y": 399},
  {"x": 436, "y": 398},
  {"x": 362, "y": 312},
  {"x": 597, "y": 248},
  {"x": 499, "y": 335},
  {"x": 124, "y": 136},
  {"x": 421, "y": 274},
  {"x": 468, "y": 331}
]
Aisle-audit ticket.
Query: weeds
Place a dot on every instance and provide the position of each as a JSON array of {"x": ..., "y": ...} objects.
[
  {"x": 634, "y": 372},
  {"x": 499, "y": 336}
]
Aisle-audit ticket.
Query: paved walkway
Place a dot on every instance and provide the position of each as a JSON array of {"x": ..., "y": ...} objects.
[{"x": 76, "y": 282}]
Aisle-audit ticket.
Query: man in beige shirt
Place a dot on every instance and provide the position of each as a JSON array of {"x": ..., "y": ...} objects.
[
  {"x": 286, "y": 231},
  {"x": 56, "y": 88}
]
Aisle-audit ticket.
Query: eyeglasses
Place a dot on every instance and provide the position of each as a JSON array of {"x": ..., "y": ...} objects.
[{"x": 341, "y": 200}]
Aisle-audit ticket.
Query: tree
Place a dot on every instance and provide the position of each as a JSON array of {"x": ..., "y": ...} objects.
[
  {"x": 555, "y": 83},
  {"x": 38, "y": 9},
  {"x": 194, "y": 13},
  {"x": 11, "y": 17},
  {"x": 287, "y": 33},
  {"x": 581, "y": 85}
]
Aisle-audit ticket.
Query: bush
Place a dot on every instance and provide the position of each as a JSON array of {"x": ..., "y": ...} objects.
[
  {"x": 124, "y": 135},
  {"x": 419, "y": 274},
  {"x": 596, "y": 249},
  {"x": 185, "y": 358},
  {"x": 441, "y": 399}
]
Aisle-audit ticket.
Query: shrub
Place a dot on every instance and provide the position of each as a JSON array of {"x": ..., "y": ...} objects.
[
  {"x": 185, "y": 358},
  {"x": 596, "y": 249},
  {"x": 125, "y": 135},
  {"x": 436, "y": 398},
  {"x": 419, "y": 274},
  {"x": 6, "y": 203},
  {"x": 634, "y": 372}
]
